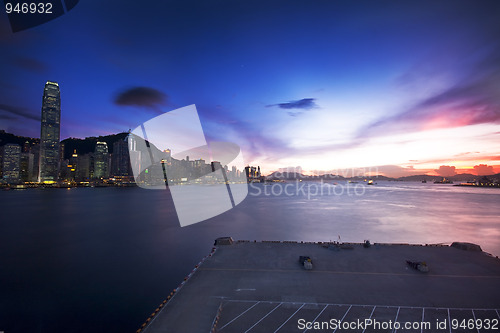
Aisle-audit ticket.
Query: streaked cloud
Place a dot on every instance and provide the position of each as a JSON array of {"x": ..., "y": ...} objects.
[
  {"x": 17, "y": 111},
  {"x": 472, "y": 99}
]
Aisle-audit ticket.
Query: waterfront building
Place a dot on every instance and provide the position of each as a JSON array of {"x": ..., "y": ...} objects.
[
  {"x": 135, "y": 156},
  {"x": 101, "y": 160},
  {"x": 200, "y": 164},
  {"x": 120, "y": 160},
  {"x": 26, "y": 164},
  {"x": 219, "y": 176},
  {"x": 26, "y": 147},
  {"x": 73, "y": 165},
  {"x": 61, "y": 154},
  {"x": 65, "y": 172},
  {"x": 252, "y": 173},
  {"x": 216, "y": 166},
  {"x": 168, "y": 153},
  {"x": 85, "y": 170},
  {"x": 50, "y": 133},
  {"x": 35, "y": 150},
  {"x": 11, "y": 162}
]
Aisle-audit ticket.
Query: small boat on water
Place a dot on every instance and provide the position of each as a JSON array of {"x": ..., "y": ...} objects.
[
  {"x": 370, "y": 182},
  {"x": 443, "y": 181}
]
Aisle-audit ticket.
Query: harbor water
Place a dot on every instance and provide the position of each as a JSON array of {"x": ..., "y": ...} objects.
[{"x": 102, "y": 259}]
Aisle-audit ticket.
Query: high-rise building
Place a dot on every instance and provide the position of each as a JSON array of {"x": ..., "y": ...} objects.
[
  {"x": 120, "y": 160},
  {"x": 35, "y": 150},
  {"x": 85, "y": 170},
  {"x": 101, "y": 160},
  {"x": 1, "y": 162},
  {"x": 135, "y": 156},
  {"x": 252, "y": 173},
  {"x": 26, "y": 147},
  {"x": 61, "y": 152},
  {"x": 26, "y": 166},
  {"x": 216, "y": 165},
  {"x": 72, "y": 166},
  {"x": 168, "y": 153},
  {"x": 50, "y": 133},
  {"x": 11, "y": 161}
]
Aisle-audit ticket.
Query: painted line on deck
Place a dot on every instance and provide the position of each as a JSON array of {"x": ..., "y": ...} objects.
[
  {"x": 362, "y": 305},
  {"x": 396, "y": 319},
  {"x": 241, "y": 314},
  {"x": 359, "y": 306},
  {"x": 449, "y": 319},
  {"x": 345, "y": 314},
  {"x": 371, "y": 314},
  {"x": 289, "y": 318},
  {"x": 314, "y": 320},
  {"x": 261, "y": 319}
]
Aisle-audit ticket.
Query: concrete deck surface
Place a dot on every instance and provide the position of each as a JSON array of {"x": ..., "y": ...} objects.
[{"x": 262, "y": 288}]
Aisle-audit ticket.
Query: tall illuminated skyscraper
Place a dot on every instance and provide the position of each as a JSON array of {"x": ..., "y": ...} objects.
[
  {"x": 50, "y": 133},
  {"x": 101, "y": 160}
]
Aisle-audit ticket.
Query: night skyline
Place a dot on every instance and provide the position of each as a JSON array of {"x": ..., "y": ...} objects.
[{"x": 404, "y": 86}]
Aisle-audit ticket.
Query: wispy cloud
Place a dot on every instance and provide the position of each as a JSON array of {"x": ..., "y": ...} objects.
[
  {"x": 254, "y": 140},
  {"x": 301, "y": 104},
  {"x": 473, "y": 99},
  {"x": 30, "y": 64},
  {"x": 17, "y": 111}
]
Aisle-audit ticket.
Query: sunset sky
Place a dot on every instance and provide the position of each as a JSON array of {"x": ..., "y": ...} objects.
[{"x": 404, "y": 86}]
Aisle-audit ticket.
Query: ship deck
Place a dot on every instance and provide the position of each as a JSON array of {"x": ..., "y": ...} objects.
[{"x": 261, "y": 287}]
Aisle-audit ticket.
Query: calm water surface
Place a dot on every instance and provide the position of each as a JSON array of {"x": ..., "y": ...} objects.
[{"x": 101, "y": 260}]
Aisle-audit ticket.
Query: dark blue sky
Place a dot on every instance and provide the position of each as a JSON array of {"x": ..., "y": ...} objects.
[{"x": 321, "y": 84}]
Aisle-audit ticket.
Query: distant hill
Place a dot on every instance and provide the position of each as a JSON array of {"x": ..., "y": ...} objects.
[
  {"x": 416, "y": 178},
  {"x": 377, "y": 177},
  {"x": 87, "y": 145},
  {"x": 296, "y": 175},
  {"x": 20, "y": 140},
  {"x": 463, "y": 177}
]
